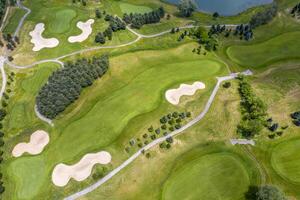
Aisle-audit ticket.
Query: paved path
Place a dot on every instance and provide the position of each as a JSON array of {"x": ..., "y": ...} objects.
[
  {"x": 157, "y": 141},
  {"x": 4, "y": 80},
  {"x": 21, "y": 22}
]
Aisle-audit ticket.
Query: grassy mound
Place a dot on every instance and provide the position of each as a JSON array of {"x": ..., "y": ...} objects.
[
  {"x": 61, "y": 20},
  {"x": 285, "y": 46},
  {"x": 286, "y": 160},
  {"x": 213, "y": 176},
  {"x": 130, "y": 8}
]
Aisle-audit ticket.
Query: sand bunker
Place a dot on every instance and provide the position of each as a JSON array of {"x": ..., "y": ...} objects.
[
  {"x": 38, "y": 140},
  {"x": 38, "y": 40},
  {"x": 80, "y": 171},
  {"x": 173, "y": 95},
  {"x": 86, "y": 28}
]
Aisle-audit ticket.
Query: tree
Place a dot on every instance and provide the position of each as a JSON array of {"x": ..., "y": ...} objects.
[
  {"x": 100, "y": 38},
  {"x": 98, "y": 13},
  {"x": 216, "y": 15},
  {"x": 186, "y": 8},
  {"x": 268, "y": 192}
]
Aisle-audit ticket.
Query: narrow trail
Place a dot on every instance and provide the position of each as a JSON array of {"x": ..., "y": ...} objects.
[
  {"x": 21, "y": 22},
  {"x": 157, "y": 141},
  {"x": 261, "y": 169}
]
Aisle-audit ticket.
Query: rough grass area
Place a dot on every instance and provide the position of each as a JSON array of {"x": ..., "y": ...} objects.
[
  {"x": 215, "y": 176},
  {"x": 283, "y": 47},
  {"x": 130, "y": 8}
]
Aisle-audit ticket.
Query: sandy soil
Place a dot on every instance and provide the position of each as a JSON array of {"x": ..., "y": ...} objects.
[
  {"x": 86, "y": 28},
  {"x": 38, "y": 41},
  {"x": 38, "y": 140},
  {"x": 80, "y": 171},
  {"x": 173, "y": 95}
]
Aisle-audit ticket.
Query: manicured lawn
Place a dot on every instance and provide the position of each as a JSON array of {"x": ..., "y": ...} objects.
[
  {"x": 62, "y": 20},
  {"x": 213, "y": 176},
  {"x": 286, "y": 160},
  {"x": 130, "y": 8},
  {"x": 283, "y": 47},
  {"x": 104, "y": 112}
]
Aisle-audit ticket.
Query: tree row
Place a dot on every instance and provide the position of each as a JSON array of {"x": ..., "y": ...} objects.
[{"x": 137, "y": 20}]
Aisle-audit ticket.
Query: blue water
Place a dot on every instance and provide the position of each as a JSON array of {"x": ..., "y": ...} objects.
[{"x": 226, "y": 7}]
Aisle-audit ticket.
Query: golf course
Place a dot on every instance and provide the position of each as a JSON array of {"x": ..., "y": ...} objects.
[{"x": 140, "y": 99}]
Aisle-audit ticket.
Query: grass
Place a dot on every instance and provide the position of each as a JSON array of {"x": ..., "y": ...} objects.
[
  {"x": 218, "y": 175},
  {"x": 14, "y": 18},
  {"x": 130, "y": 98},
  {"x": 62, "y": 20},
  {"x": 286, "y": 160},
  {"x": 121, "y": 91},
  {"x": 130, "y": 8},
  {"x": 255, "y": 56}
]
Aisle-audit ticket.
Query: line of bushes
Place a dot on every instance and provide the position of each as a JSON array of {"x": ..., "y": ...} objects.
[
  {"x": 295, "y": 12},
  {"x": 253, "y": 110},
  {"x": 137, "y": 20},
  {"x": 65, "y": 85}
]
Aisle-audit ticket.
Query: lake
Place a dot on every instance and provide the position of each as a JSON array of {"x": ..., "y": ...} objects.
[{"x": 226, "y": 7}]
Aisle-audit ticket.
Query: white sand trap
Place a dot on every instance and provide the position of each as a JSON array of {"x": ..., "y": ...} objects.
[
  {"x": 173, "y": 96},
  {"x": 38, "y": 40},
  {"x": 38, "y": 140},
  {"x": 80, "y": 171},
  {"x": 86, "y": 28}
]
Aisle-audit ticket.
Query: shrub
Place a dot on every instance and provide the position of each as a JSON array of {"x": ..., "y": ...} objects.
[{"x": 227, "y": 85}]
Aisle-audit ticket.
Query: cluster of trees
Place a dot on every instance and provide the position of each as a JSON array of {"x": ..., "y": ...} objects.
[
  {"x": 83, "y": 2},
  {"x": 253, "y": 110},
  {"x": 137, "y": 20},
  {"x": 203, "y": 37},
  {"x": 65, "y": 85},
  {"x": 186, "y": 8},
  {"x": 115, "y": 24},
  {"x": 295, "y": 12},
  {"x": 11, "y": 42},
  {"x": 264, "y": 17},
  {"x": 264, "y": 192},
  {"x": 296, "y": 118},
  {"x": 169, "y": 122},
  {"x": 244, "y": 31}
]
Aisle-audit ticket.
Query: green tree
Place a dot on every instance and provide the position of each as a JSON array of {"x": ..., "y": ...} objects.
[
  {"x": 269, "y": 192},
  {"x": 186, "y": 8}
]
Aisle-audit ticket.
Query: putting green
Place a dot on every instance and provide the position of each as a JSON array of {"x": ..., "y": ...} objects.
[
  {"x": 286, "y": 160},
  {"x": 130, "y": 8},
  {"x": 213, "y": 176},
  {"x": 285, "y": 46},
  {"x": 62, "y": 20}
]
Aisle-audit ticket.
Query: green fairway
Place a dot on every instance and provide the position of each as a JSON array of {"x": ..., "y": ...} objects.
[
  {"x": 286, "y": 160},
  {"x": 25, "y": 188},
  {"x": 282, "y": 47},
  {"x": 62, "y": 20},
  {"x": 213, "y": 176},
  {"x": 132, "y": 77},
  {"x": 130, "y": 8}
]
